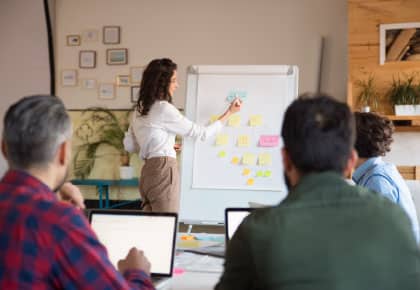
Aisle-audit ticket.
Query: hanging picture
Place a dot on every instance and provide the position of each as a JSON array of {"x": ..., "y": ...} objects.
[
  {"x": 88, "y": 84},
  {"x": 87, "y": 59},
  {"x": 73, "y": 40},
  {"x": 116, "y": 56},
  {"x": 399, "y": 42},
  {"x": 111, "y": 34},
  {"x": 136, "y": 74},
  {"x": 135, "y": 93},
  {"x": 69, "y": 77},
  {"x": 123, "y": 80},
  {"x": 90, "y": 35},
  {"x": 106, "y": 91}
]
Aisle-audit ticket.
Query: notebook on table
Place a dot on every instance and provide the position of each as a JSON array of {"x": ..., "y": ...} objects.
[{"x": 153, "y": 233}]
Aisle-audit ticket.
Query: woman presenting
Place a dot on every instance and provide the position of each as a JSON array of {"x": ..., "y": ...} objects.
[{"x": 152, "y": 133}]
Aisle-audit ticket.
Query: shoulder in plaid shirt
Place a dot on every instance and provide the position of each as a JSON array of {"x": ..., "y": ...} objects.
[{"x": 47, "y": 244}]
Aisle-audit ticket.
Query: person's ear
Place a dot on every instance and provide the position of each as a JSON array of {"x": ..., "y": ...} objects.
[
  {"x": 351, "y": 163},
  {"x": 64, "y": 153},
  {"x": 4, "y": 149},
  {"x": 287, "y": 164}
]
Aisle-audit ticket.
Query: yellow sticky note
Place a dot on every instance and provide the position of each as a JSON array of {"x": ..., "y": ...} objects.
[
  {"x": 260, "y": 173},
  {"x": 214, "y": 118},
  {"x": 267, "y": 173},
  {"x": 264, "y": 159},
  {"x": 250, "y": 181},
  {"x": 255, "y": 120},
  {"x": 249, "y": 159},
  {"x": 221, "y": 154},
  {"x": 222, "y": 139},
  {"x": 243, "y": 141},
  {"x": 234, "y": 121},
  {"x": 246, "y": 171},
  {"x": 235, "y": 160}
]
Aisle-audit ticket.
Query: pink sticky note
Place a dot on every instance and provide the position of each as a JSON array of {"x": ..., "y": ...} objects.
[
  {"x": 178, "y": 271},
  {"x": 269, "y": 141}
]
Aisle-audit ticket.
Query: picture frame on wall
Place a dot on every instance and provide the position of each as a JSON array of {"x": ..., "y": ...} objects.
[
  {"x": 89, "y": 84},
  {"x": 123, "y": 80},
  {"x": 90, "y": 35},
  {"x": 69, "y": 77},
  {"x": 87, "y": 59},
  {"x": 135, "y": 93},
  {"x": 73, "y": 40},
  {"x": 111, "y": 35},
  {"x": 136, "y": 73},
  {"x": 399, "y": 42},
  {"x": 117, "y": 56},
  {"x": 106, "y": 91}
]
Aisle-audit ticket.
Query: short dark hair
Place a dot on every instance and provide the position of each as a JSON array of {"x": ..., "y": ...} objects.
[
  {"x": 155, "y": 84},
  {"x": 318, "y": 134},
  {"x": 33, "y": 129},
  {"x": 373, "y": 135}
]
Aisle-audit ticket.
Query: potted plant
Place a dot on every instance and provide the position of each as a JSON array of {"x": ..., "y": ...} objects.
[
  {"x": 100, "y": 127},
  {"x": 368, "y": 96},
  {"x": 417, "y": 105},
  {"x": 404, "y": 95}
]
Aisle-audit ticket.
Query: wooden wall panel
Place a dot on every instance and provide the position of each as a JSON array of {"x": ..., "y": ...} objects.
[{"x": 364, "y": 18}]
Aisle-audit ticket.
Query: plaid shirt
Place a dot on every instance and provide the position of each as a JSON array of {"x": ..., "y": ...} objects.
[{"x": 47, "y": 244}]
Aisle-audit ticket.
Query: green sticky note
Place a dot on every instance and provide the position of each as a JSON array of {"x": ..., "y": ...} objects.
[
  {"x": 222, "y": 154},
  {"x": 267, "y": 173},
  {"x": 260, "y": 173}
]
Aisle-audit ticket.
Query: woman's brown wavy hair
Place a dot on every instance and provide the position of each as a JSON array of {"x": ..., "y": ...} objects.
[{"x": 155, "y": 83}]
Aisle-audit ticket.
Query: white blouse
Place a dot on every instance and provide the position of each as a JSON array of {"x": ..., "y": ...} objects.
[{"x": 153, "y": 135}]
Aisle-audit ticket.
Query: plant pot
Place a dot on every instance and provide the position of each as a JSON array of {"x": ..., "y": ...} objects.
[
  {"x": 365, "y": 109},
  {"x": 126, "y": 172},
  {"x": 404, "y": 110}
]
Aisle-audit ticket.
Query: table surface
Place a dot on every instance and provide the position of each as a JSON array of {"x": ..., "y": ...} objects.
[{"x": 194, "y": 281}]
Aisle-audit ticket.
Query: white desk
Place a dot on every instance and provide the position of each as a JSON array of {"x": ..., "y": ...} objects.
[
  {"x": 194, "y": 281},
  {"x": 201, "y": 272}
]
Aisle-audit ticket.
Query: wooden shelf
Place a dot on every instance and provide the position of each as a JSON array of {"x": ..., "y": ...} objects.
[
  {"x": 410, "y": 172},
  {"x": 405, "y": 123}
]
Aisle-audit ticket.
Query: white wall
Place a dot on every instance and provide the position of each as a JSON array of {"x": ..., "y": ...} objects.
[
  {"x": 207, "y": 32},
  {"x": 405, "y": 149},
  {"x": 24, "y": 62}
]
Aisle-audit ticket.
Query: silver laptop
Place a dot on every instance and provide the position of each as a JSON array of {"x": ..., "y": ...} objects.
[
  {"x": 154, "y": 233},
  {"x": 233, "y": 218}
]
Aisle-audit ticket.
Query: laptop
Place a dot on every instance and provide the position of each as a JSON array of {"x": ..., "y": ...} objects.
[
  {"x": 233, "y": 218},
  {"x": 153, "y": 233}
]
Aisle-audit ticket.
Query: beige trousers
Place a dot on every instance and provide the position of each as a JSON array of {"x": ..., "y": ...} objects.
[{"x": 159, "y": 185}]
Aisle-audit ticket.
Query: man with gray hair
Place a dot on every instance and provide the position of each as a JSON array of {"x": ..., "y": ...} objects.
[{"x": 45, "y": 243}]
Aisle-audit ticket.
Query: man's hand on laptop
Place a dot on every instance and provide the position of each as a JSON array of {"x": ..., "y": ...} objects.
[
  {"x": 135, "y": 260},
  {"x": 71, "y": 193}
]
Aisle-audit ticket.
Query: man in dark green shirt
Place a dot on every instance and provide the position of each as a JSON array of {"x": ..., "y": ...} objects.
[{"x": 326, "y": 234}]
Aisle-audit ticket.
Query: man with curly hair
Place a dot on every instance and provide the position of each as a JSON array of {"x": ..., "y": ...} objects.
[{"x": 373, "y": 140}]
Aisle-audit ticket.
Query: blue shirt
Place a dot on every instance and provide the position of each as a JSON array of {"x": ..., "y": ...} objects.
[{"x": 385, "y": 179}]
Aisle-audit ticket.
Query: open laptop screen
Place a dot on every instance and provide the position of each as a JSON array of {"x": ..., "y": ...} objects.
[
  {"x": 154, "y": 233},
  {"x": 233, "y": 218}
]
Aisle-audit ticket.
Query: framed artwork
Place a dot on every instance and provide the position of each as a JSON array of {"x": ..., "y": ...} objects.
[
  {"x": 106, "y": 91},
  {"x": 90, "y": 35},
  {"x": 88, "y": 84},
  {"x": 111, "y": 35},
  {"x": 87, "y": 59},
  {"x": 69, "y": 77},
  {"x": 136, "y": 74},
  {"x": 117, "y": 56},
  {"x": 73, "y": 40},
  {"x": 399, "y": 42},
  {"x": 135, "y": 93},
  {"x": 123, "y": 80}
]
